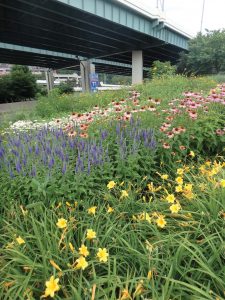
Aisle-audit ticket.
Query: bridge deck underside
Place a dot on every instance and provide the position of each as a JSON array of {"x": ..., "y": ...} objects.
[{"x": 52, "y": 25}]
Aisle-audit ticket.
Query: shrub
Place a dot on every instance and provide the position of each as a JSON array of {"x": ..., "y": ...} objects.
[
  {"x": 162, "y": 69},
  {"x": 65, "y": 88}
]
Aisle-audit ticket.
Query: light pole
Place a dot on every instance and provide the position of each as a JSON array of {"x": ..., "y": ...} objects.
[
  {"x": 161, "y": 2},
  {"x": 203, "y": 9}
]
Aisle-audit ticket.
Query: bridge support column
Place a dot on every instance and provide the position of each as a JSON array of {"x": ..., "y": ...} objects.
[
  {"x": 49, "y": 79},
  {"x": 86, "y": 67},
  {"x": 137, "y": 67}
]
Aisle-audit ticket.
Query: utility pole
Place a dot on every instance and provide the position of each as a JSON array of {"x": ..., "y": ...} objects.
[
  {"x": 161, "y": 4},
  {"x": 203, "y": 10}
]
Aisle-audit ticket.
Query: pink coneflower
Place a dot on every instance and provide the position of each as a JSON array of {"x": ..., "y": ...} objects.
[
  {"x": 157, "y": 101},
  {"x": 170, "y": 134},
  {"x": 163, "y": 129},
  {"x": 182, "y": 147},
  {"x": 176, "y": 130},
  {"x": 143, "y": 108},
  {"x": 167, "y": 124},
  {"x": 193, "y": 105},
  {"x": 126, "y": 118},
  {"x": 166, "y": 145},
  {"x": 72, "y": 133},
  {"x": 84, "y": 126},
  {"x": 220, "y": 132},
  {"x": 182, "y": 129},
  {"x": 169, "y": 118},
  {"x": 193, "y": 115},
  {"x": 90, "y": 119},
  {"x": 84, "y": 135},
  {"x": 135, "y": 101},
  {"x": 152, "y": 108}
]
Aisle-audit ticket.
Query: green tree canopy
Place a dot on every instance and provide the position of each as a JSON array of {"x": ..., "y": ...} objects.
[
  {"x": 206, "y": 54},
  {"x": 20, "y": 84}
]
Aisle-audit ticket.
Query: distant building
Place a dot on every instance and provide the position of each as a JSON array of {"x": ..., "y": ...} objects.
[{"x": 4, "y": 69}]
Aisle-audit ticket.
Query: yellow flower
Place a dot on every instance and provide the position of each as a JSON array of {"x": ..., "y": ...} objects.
[
  {"x": 178, "y": 188},
  {"x": 165, "y": 176},
  {"x": 81, "y": 263},
  {"x": 62, "y": 223},
  {"x": 55, "y": 265},
  {"x": 20, "y": 241},
  {"x": 161, "y": 222},
  {"x": 51, "y": 287},
  {"x": 175, "y": 208},
  {"x": 139, "y": 289},
  {"x": 71, "y": 247},
  {"x": 152, "y": 188},
  {"x": 179, "y": 180},
  {"x": 149, "y": 246},
  {"x": 92, "y": 210},
  {"x": 91, "y": 234},
  {"x": 192, "y": 154},
  {"x": 222, "y": 182},
  {"x": 188, "y": 194},
  {"x": 180, "y": 171},
  {"x": 111, "y": 185},
  {"x": 83, "y": 250},
  {"x": 202, "y": 186},
  {"x": 188, "y": 187},
  {"x": 124, "y": 194},
  {"x": 110, "y": 209},
  {"x": 125, "y": 295},
  {"x": 170, "y": 198},
  {"x": 102, "y": 254},
  {"x": 149, "y": 276},
  {"x": 144, "y": 217},
  {"x": 68, "y": 204}
]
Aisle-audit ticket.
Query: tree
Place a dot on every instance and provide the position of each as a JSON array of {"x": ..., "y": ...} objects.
[
  {"x": 6, "y": 93},
  {"x": 19, "y": 85},
  {"x": 24, "y": 83},
  {"x": 206, "y": 54}
]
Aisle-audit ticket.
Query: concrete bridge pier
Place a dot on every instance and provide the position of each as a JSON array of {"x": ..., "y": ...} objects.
[
  {"x": 49, "y": 79},
  {"x": 86, "y": 67},
  {"x": 137, "y": 67}
]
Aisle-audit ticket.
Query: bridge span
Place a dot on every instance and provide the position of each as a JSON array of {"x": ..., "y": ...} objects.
[{"x": 113, "y": 36}]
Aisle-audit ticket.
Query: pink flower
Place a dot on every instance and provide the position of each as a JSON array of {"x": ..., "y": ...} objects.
[
  {"x": 170, "y": 134},
  {"x": 220, "y": 132},
  {"x": 193, "y": 115},
  {"x": 166, "y": 145}
]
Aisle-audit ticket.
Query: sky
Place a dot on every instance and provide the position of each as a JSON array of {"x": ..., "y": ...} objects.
[{"x": 187, "y": 14}]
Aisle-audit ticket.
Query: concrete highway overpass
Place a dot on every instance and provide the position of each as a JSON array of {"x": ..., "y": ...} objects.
[{"x": 114, "y": 35}]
